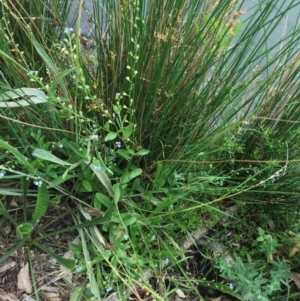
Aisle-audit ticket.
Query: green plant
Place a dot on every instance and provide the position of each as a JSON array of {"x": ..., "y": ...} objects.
[{"x": 168, "y": 124}]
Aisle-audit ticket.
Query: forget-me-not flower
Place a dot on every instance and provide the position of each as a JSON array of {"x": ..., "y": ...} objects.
[
  {"x": 31, "y": 73},
  {"x": 68, "y": 30},
  {"x": 109, "y": 289},
  {"x": 2, "y": 174},
  {"x": 97, "y": 167},
  {"x": 38, "y": 183}
]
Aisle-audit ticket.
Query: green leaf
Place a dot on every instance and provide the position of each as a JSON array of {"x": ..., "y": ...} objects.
[
  {"x": 87, "y": 185},
  {"x": 41, "y": 204},
  {"x": 124, "y": 153},
  {"x": 22, "y": 159},
  {"x": 46, "y": 155},
  {"x": 33, "y": 96},
  {"x": 24, "y": 230},
  {"x": 135, "y": 173},
  {"x": 261, "y": 231},
  {"x": 130, "y": 221},
  {"x": 67, "y": 263},
  {"x": 103, "y": 199},
  {"x": 101, "y": 175},
  {"x": 128, "y": 131},
  {"x": 142, "y": 152},
  {"x": 51, "y": 65},
  {"x": 59, "y": 78},
  {"x": 150, "y": 198},
  {"x": 55, "y": 200},
  {"x": 117, "y": 192},
  {"x": 111, "y": 136}
]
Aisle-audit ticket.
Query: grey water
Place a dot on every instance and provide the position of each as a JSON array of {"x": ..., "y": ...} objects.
[{"x": 290, "y": 20}]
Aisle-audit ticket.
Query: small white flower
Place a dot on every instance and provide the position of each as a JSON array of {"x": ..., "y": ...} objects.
[
  {"x": 118, "y": 144},
  {"x": 31, "y": 73},
  {"x": 38, "y": 183},
  {"x": 231, "y": 285},
  {"x": 167, "y": 261},
  {"x": 118, "y": 95},
  {"x": 2, "y": 174},
  {"x": 108, "y": 289},
  {"x": 68, "y": 30},
  {"x": 79, "y": 269},
  {"x": 97, "y": 167},
  {"x": 60, "y": 145},
  {"x": 171, "y": 207},
  {"x": 221, "y": 183},
  {"x": 125, "y": 236}
]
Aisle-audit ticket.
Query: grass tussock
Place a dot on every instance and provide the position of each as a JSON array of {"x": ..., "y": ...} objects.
[{"x": 156, "y": 140}]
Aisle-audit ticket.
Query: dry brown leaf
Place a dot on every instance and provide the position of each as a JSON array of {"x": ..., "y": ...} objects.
[
  {"x": 293, "y": 251},
  {"x": 66, "y": 273},
  {"x": 24, "y": 283},
  {"x": 296, "y": 278},
  {"x": 51, "y": 296},
  {"x": 180, "y": 294},
  {"x": 25, "y": 297},
  {"x": 7, "y": 265},
  {"x": 7, "y": 297},
  {"x": 113, "y": 297}
]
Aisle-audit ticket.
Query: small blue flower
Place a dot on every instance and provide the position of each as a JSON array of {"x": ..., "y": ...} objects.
[
  {"x": 231, "y": 285},
  {"x": 97, "y": 167},
  {"x": 31, "y": 73},
  {"x": 118, "y": 144},
  {"x": 68, "y": 30},
  {"x": 125, "y": 236},
  {"x": 109, "y": 289},
  {"x": 60, "y": 145},
  {"x": 2, "y": 174},
  {"x": 79, "y": 269},
  {"x": 38, "y": 183}
]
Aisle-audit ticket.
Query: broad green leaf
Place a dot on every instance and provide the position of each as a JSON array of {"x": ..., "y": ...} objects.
[
  {"x": 103, "y": 199},
  {"x": 24, "y": 230},
  {"x": 150, "y": 198},
  {"x": 130, "y": 221},
  {"x": 117, "y": 192},
  {"x": 128, "y": 131},
  {"x": 87, "y": 185},
  {"x": 67, "y": 263},
  {"x": 33, "y": 96},
  {"x": 142, "y": 152},
  {"x": 135, "y": 173},
  {"x": 22, "y": 159},
  {"x": 51, "y": 65},
  {"x": 42, "y": 203},
  {"x": 46, "y": 155},
  {"x": 124, "y": 153},
  {"x": 111, "y": 136},
  {"x": 101, "y": 175}
]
